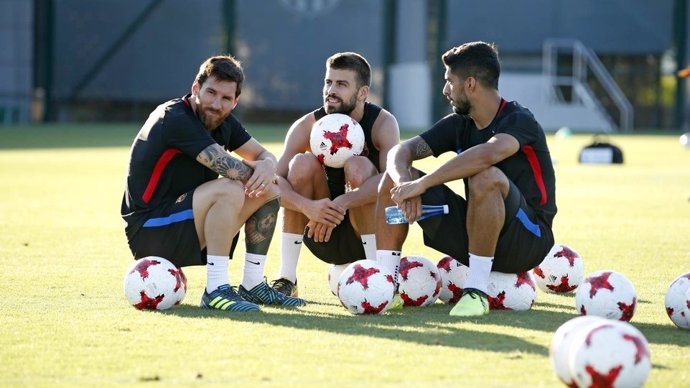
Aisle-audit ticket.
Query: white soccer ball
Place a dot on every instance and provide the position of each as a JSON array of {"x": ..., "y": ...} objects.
[
  {"x": 453, "y": 276},
  {"x": 336, "y": 137},
  {"x": 607, "y": 294},
  {"x": 684, "y": 139},
  {"x": 561, "y": 342},
  {"x": 154, "y": 283},
  {"x": 509, "y": 291},
  {"x": 334, "y": 271},
  {"x": 561, "y": 271},
  {"x": 609, "y": 354},
  {"x": 366, "y": 287},
  {"x": 419, "y": 281},
  {"x": 678, "y": 301}
]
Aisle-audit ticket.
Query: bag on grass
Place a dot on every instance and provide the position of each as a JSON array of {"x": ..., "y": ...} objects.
[{"x": 601, "y": 152}]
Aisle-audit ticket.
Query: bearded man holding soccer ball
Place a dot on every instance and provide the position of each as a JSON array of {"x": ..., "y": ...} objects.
[
  {"x": 504, "y": 221},
  {"x": 330, "y": 209},
  {"x": 187, "y": 197}
]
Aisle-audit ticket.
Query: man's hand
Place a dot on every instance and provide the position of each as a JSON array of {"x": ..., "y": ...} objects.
[
  {"x": 324, "y": 211},
  {"x": 407, "y": 196},
  {"x": 263, "y": 175},
  {"x": 319, "y": 232}
]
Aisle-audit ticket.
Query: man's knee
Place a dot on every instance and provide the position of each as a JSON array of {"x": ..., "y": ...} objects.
[
  {"x": 225, "y": 189},
  {"x": 489, "y": 180},
  {"x": 358, "y": 169},
  {"x": 302, "y": 168}
]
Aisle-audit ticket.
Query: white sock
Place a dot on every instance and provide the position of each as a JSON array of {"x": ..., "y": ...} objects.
[
  {"x": 389, "y": 260},
  {"x": 478, "y": 275},
  {"x": 253, "y": 273},
  {"x": 369, "y": 242},
  {"x": 216, "y": 272},
  {"x": 290, "y": 245}
]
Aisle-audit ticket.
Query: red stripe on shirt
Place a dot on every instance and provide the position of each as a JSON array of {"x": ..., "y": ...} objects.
[
  {"x": 536, "y": 171},
  {"x": 500, "y": 108},
  {"x": 158, "y": 169}
]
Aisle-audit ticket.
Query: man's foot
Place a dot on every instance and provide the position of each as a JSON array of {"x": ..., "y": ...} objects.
[
  {"x": 397, "y": 303},
  {"x": 473, "y": 303},
  {"x": 285, "y": 286},
  {"x": 264, "y": 294},
  {"x": 226, "y": 298}
]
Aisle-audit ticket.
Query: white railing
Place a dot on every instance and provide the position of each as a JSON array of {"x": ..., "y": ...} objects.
[{"x": 585, "y": 62}]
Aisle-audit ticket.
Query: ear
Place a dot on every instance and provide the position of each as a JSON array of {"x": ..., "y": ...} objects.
[
  {"x": 237, "y": 99},
  {"x": 471, "y": 83},
  {"x": 195, "y": 88},
  {"x": 363, "y": 93}
]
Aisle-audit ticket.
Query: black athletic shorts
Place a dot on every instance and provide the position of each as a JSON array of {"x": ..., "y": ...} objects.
[
  {"x": 344, "y": 246},
  {"x": 523, "y": 242},
  {"x": 169, "y": 232}
]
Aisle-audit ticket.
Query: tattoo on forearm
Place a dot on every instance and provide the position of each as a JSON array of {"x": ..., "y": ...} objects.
[
  {"x": 421, "y": 149},
  {"x": 258, "y": 231},
  {"x": 224, "y": 164}
]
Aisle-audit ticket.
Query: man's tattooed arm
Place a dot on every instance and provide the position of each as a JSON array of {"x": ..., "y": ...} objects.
[
  {"x": 215, "y": 158},
  {"x": 420, "y": 148}
]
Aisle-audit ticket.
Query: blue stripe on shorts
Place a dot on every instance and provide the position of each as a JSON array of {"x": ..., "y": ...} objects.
[
  {"x": 527, "y": 223},
  {"x": 171, "y": 219}
]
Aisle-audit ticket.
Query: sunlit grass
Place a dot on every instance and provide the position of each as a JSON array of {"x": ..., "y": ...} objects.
[{"x": 65, "y": 321}]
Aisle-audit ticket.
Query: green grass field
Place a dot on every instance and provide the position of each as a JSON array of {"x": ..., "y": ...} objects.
[{"x": 65, "y": 320}]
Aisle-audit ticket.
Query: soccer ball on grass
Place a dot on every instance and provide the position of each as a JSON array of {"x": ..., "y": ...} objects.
[
  {"x": 453, "y": 276},
  {"x": 334, "y": 272},
  {"x": 509, "y": 291},
  {"x": 419, "y": 281},
  {"x": 154, "y": 283},
  {"x": 607, "y": 294},
  {"x": 561, "y": 342},
  {"x": 561, "y": 271},
  {"x": 366, "y": 287},
  {"x": 609, "y": 353},
  {"x": 677, "y": 301}
]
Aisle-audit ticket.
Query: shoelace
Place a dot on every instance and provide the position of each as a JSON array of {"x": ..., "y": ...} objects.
[{"x": 281, "y": 284}]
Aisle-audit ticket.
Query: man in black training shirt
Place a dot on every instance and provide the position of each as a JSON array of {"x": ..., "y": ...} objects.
[
  {"x": 176, "y": 206},
  {"x": 504, "y": 221}
]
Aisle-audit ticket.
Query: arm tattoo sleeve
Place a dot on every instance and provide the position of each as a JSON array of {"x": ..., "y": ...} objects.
[
  {"x": 420, "y": 149},
  {"x": 219, "y": 161},
  {"x": 258, "y": 230}
]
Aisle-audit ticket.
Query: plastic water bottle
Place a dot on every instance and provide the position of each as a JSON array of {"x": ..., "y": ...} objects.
[{"x": 395, "y": 216}]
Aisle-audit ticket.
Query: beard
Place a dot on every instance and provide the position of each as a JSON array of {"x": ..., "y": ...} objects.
[
  {"x": 461, "y": 106},
  {"x": 345, "y": 108},
  {"x": 211, "y": 118}
]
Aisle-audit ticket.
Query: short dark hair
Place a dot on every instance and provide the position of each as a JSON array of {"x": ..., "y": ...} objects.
[
  {"x": 351, "y": 61},
  {"x": 222, "y": 68},
  {"x": 475, "y": 59}
]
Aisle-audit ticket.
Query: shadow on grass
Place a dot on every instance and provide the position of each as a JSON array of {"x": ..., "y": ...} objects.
[{"x": 428, "y": 326}]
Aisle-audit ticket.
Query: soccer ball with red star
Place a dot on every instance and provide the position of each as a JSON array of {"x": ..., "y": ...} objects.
[
  {"x": 609, "y": 354},
  {"x": 453, "y": 276},
  {"x": 509, "y": 291},
  {"x": 366, "y": 287},
  {"x": 419, "y": 281},
  {"x": 561, "y": 271},
  {"x": 607, "y": 294},
  {"x": 334, "y": 272},
  {"x": 561, "y": 342},
  {"x": 678, "y": 301},
  {"x": 154, "y": 283},
  {"x": 336, "y": 137}
]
